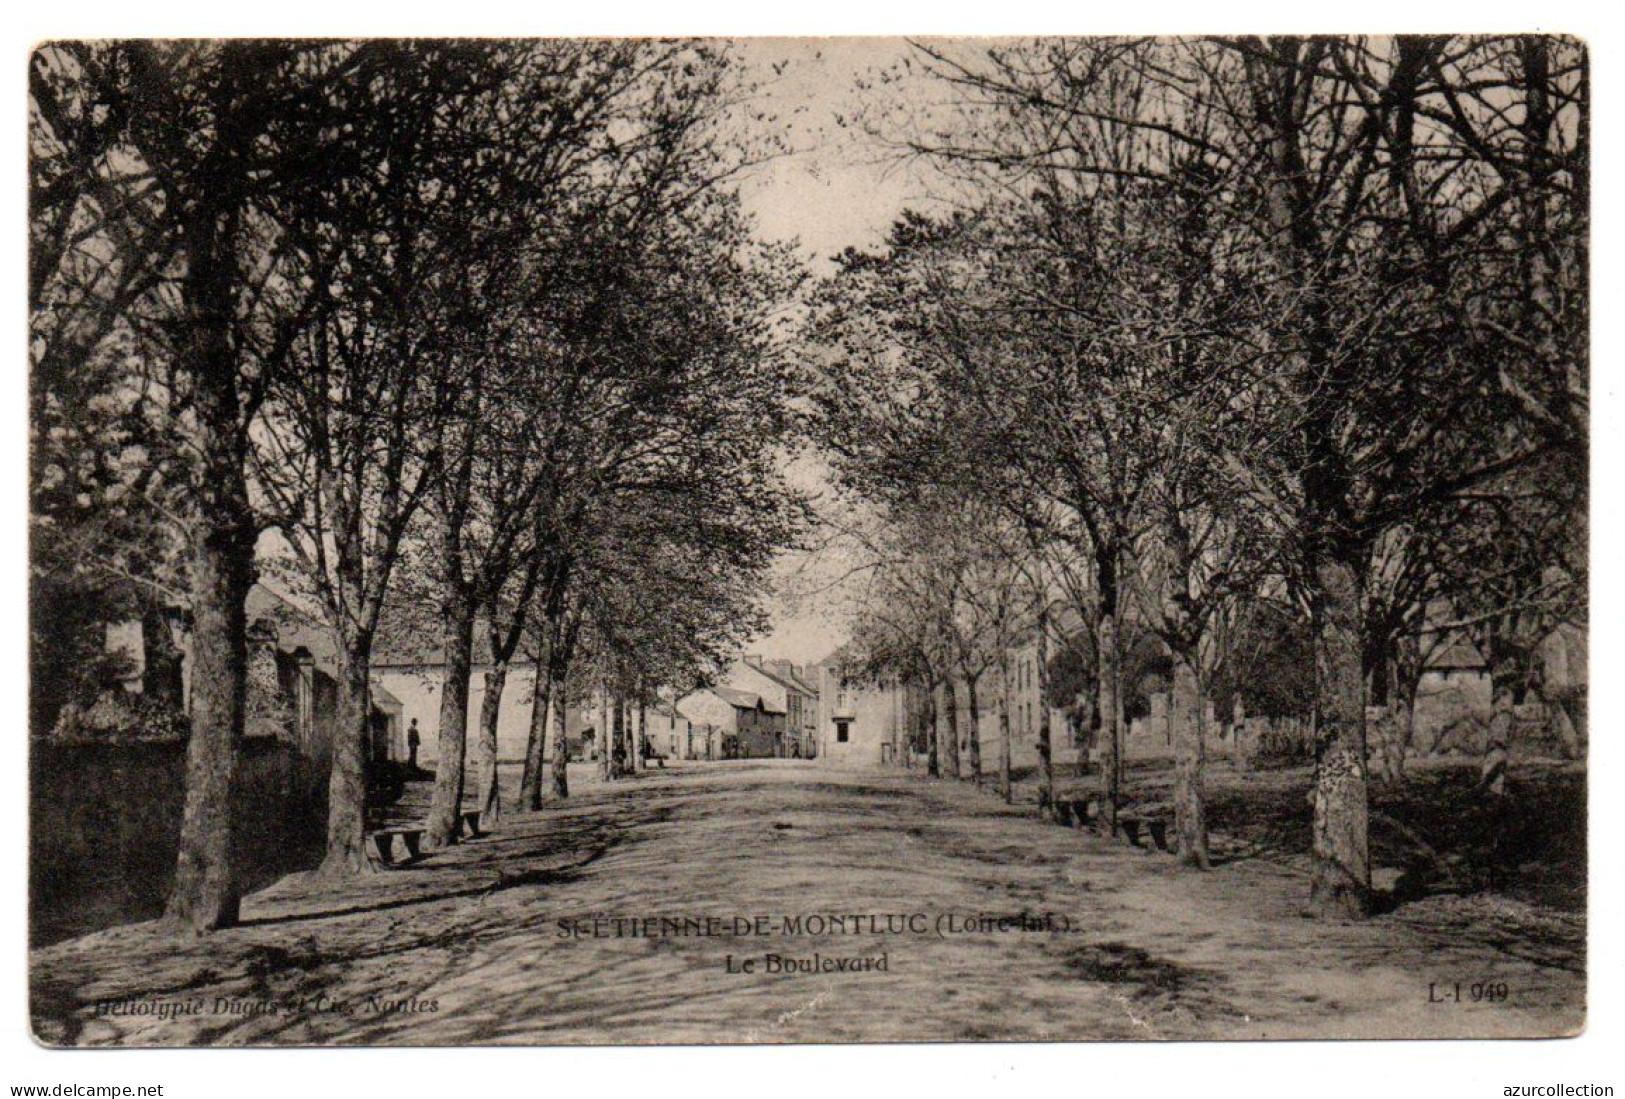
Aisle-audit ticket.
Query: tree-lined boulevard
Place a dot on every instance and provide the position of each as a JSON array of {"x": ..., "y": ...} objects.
[{"x": 1234, "y": 390}]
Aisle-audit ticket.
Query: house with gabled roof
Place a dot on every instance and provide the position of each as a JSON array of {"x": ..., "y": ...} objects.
[
  {"x": 750, "y": 726},
  {"x": 860, "y": 722},
  {"x": 408, "y": 660},
  {"x": 782, "y": 684},
  {"x": 670, "y": 735},
  {"x": 292, "y": 670},
  {"x": 292, "y": 653}
]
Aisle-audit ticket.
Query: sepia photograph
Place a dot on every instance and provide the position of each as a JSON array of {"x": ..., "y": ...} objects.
[{"x": 623, "y": 541}]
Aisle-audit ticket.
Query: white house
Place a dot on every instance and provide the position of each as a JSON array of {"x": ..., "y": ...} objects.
[
  {"x": 859, "y": 724},
  {"x": 863, "y": 724},
  {"x": 417, "y": 685},
  {"x": 671, "y": 735}
]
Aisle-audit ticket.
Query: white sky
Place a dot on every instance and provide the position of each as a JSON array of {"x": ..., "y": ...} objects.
[
  {"x": 832, "y": 191},
  {"x": 835, "y": 189}
]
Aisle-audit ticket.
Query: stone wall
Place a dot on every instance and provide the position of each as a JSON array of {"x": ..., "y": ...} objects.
[{"x": 104, "y": 827}]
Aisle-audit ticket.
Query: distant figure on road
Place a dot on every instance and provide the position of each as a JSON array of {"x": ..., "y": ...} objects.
[{"x": 413, "y": 739}]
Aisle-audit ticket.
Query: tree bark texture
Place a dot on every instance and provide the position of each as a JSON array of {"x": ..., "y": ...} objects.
[
  {"x": 617, "y": 762},
  {"x": 950, "y": 744},
  {"x": 205, "y": 895},
  {"x": 559, "y": 762},
  {"x": 530, "y": 781},
  {"x": 347, "y": 780},
  {"x": 1006, "y": 788},
  {"x": 1046, "y": 763},
  {"x": 1111, "y": 725},
  {"x": 441, "y": 828},
  {"x": 1341, "y": 883},
  {"x": 1190, "y": 819},
  {"x": 1498, "y": 743},
  {"x": 602, "y": 735},
  {"x": 929, "y": 706},
  {"x": 975, "y": 715},
  {"x": 485, "y": 749}
]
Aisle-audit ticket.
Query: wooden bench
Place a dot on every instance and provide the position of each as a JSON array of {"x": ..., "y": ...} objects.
[
  {"x": 1074, "y": 812},
  {"x": 1157, "y": 826},
  {"x": 1077, "y": 812},
  {"x": 1082, "y": 813},
  {"x": 411, "y": 839}
]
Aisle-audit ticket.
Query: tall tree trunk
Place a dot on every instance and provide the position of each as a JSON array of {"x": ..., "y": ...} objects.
[
  {"x": 1393, "y": 695},
  {"x": 602, "y": 738},
  {"x": 206, "y": 894},
  {"x": 617, "y": 761},
  {"x": 1380, "y": 735},
  {"x": 1504, "y": 682},
  {"x": 1341, "y": 875},
  {"x": 1110, "y": 712},
  {"x": 1190, "y": 819},
  {"x": 899, "y": 719},
  {"x": 1046, "y": 762},
  {"x": 1006, "y": 788},
  {"x": 1407, "y": 680},
  {"x": 975, "y": 715},
  {"x": 1561, "y": 718},
  {"x": 347, "y": 782},
  {"x": 530, "y": 782},
  {"x": 485, "y": 754},
  {"x": 950, "y": 745},
  {"x": 1379, "y": 679},
  {"x": 441, "y": 828},
  {"x": 559, "y": 762},
  {"x": 1404, "y": 731},
  {"x": 930, "y": 712},
  {"x": 1341, "y": 882}
]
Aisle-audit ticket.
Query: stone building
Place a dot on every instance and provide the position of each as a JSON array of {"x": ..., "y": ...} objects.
[
  {"x": 409, "y": 663},
  {"x": 782, "y": 684},
  {"x": 667, "y": 733},
  {"x": 292, "y": 684},
  {"x": 860, "y": 723},
  {"x": 748, "y": 726}
]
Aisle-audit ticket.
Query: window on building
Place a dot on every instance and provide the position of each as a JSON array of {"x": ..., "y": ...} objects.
[{"x": 843, "y": 731}]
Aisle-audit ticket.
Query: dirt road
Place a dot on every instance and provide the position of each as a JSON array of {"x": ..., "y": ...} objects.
[{"x": 688, "y": 905}]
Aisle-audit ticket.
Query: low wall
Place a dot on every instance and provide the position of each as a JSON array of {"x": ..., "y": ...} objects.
[{"x": 104, "y": 828}]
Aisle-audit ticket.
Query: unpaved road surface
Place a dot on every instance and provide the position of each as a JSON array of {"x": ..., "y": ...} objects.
[{"x": 647, "y": 911}]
